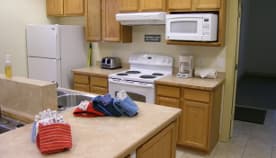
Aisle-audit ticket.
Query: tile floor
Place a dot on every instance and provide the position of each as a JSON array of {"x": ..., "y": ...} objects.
[{"x": 249, "y": 141}]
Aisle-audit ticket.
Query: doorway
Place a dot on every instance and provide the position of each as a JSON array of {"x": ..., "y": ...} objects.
[
  {"x": 256, "y": 82},
  {"x": 255, "y": 109}
]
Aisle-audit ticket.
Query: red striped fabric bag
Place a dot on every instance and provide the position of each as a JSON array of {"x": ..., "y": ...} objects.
[{"x": 54, "y": 138}]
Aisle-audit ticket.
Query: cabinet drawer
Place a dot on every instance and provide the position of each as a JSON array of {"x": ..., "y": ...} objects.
[
  {"x": 98, "y": 81},
  {"x": 81, "y": 87},
  {"x": 83, "y": 79},
  {"x": 196, "y": 95},
  {"x": 98, "y": 90},
  {"x": 168, "y": 91},
  {"x": 172, "y": 102}
]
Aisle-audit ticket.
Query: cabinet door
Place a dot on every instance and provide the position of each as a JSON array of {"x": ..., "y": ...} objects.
[
  {"x": 129, "y": 5},
  {"x": 179, "y": 5},
  {"x": 194, "y": 125},
  {"x": 163, "y": 145},
  {"x": 152, "y": 5},
  {"x": 54, "y": 7},
  {"x": 208, "y": 4},
  {"x": 93, "y": 20},
  {"x": 73, "y": 7},
  {"x": 111, "y": 28}
]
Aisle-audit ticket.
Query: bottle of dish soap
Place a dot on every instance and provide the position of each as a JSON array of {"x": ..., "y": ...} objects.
[{"x": 8, "y": 66}]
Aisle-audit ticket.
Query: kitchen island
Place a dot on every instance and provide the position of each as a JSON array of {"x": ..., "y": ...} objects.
[{"x": 152, "y": 133}]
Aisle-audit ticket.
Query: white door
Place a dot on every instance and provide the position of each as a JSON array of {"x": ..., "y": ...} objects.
[
  {"x": 42, "y": 41},
  {"x": 44, "y": 69}
]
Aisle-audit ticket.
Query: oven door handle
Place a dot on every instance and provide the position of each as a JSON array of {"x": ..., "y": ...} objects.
[{"x": 148, "y": 85}]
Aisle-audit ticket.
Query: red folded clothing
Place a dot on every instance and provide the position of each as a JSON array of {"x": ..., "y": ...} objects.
[
  {"x": 86, "y": 109},
  {"x": 54, "y": 138}
]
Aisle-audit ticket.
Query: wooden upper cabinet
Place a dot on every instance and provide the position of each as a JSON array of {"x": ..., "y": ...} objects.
[
  {"x": 152, "y": 5},
  {"x": 112, "y": 31},
  {"x": 93, "y": 20},
  {"x": 207, "y": 4},
  {"x": 65, "y": 7},
  {"x": 73, "y": 7},
  {"x": 54, "y": 7},
  {"x": 101, "y": 24},
  {"x": 193, "y": 5},
  {"x": 129, "y": 5},
  {"x": 111, "y": 28},
  {"x": 179, "y": 5}
]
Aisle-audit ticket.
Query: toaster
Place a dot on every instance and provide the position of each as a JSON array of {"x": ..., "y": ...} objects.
[{"x": 111, "y": 63}]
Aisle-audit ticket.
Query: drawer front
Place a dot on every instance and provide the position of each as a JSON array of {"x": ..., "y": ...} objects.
[
  {"x": 172, "y": 102},
  {"x": 168, "y": 91},
  {"x": 197, "y": 95},
  {"x": 83, "y": 79},
  {"x": 81, "y": 87},
  {"x": 98, "y": 81},
  {"x": 98, "y": 90}
]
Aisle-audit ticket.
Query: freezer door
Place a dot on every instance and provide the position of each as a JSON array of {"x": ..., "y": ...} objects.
[
  {"x": 42, "y": 41},
  {"x": 44, "y": 69}
]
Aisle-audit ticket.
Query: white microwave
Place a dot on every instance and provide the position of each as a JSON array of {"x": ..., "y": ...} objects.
[{"x": 192, "y": 27}]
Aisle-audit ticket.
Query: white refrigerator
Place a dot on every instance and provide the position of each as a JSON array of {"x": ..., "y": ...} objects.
[{"x": 53, "y": 51}]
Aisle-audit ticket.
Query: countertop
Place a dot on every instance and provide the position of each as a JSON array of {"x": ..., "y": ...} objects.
[
  {"x": 25, "y": 80},
  {"x": 97, "y": 70},
  {"x": 101, "y": 137},
  {"x": 198, "y": 83}
]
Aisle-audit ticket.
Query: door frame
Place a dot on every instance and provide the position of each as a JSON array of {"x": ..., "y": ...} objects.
[{"x": 231, "y": 46}]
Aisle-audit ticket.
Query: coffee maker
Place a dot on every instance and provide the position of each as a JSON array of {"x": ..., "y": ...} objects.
[{"x": 186, "y": 67}]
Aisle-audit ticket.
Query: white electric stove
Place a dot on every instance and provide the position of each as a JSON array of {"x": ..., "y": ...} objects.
[{"x": 138, "y": 81}]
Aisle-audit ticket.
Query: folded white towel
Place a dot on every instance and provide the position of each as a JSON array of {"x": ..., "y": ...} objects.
[{"x": 206, "y": 73}]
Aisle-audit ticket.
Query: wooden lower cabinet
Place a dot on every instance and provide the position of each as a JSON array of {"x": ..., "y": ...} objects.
[
  {"x": 198, "y": 125},
  {"x": 81, "y": 87},
  {"x": 173, "y": 102},
  {"x": 194, "y": 124},
  {"x": 81, "y": 82},
  {"x": 163, "y": 145},
  {"x": 91, "y": 83},
  {"x": 98, "y": 84}
]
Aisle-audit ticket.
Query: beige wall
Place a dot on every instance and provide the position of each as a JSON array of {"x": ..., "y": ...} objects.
[
  {"x": 212, "y": 57},
  {"x": 14, "y": 15}
]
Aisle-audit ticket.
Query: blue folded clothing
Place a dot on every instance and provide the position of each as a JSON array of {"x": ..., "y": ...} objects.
[
  {"x": 104, "y": 104},
  {"x": 126, "y": 106}
]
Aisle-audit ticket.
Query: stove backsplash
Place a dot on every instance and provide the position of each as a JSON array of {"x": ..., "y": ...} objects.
[{"x": 209, "y": 57}]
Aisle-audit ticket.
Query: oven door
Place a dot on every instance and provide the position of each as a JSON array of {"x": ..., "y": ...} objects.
[
  {"x": 184, "y": 28},
  {"x": 135, "y": 90}
]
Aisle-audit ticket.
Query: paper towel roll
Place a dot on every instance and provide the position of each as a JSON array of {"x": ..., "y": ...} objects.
[{"x": 206, "y": 73}]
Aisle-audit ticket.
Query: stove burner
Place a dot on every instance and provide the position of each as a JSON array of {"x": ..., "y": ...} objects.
[
  {"x": 147, "y": 76},
  {"x": 122, "y": 74},
  {"x": 133, "y": 72},
  {"x": 157, "y": 74}
]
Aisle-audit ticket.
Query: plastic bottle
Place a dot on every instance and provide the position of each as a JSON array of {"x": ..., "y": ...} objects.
[{"x": 8, "y": 66}]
